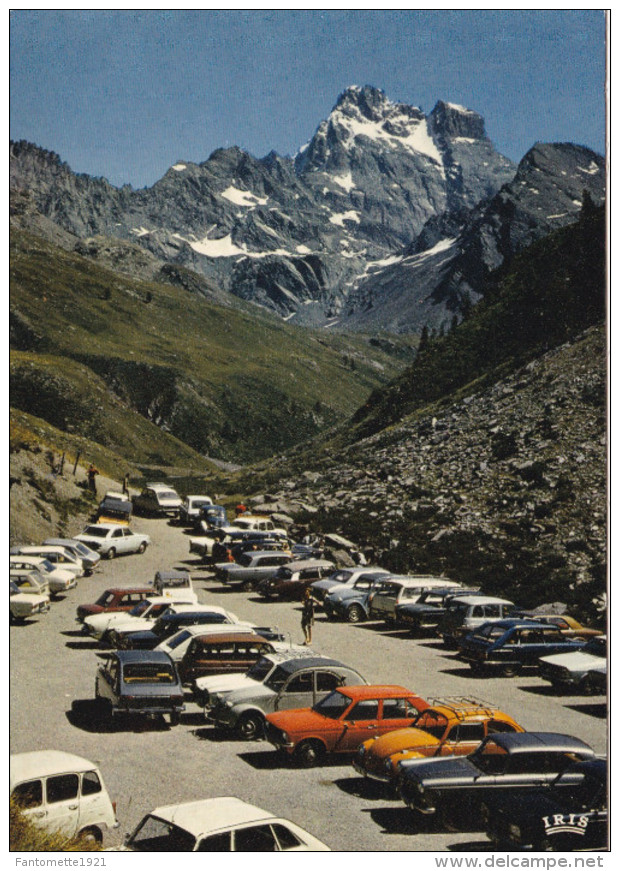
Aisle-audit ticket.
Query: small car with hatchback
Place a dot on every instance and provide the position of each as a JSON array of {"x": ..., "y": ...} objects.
[
  {"x": 571, "y": 671},
  {"x": 139, "y": 682},
  {"x": 450, "y": 727},
  {"x": 463, "y": 614},
  {"x": 61, "y": 792},
  {"x": 30, "y": 582},
  {"x": 217, "y": 825},
  {"x": 157, "y": 500},
  {"x": 352, "y": 603},
  {"x": 454, "y": 789},
  {"x": 90, "y": 558},
  {"x": 189, "y": 512},
  {"x": 341, "y": 721},
  {"x": 175, "y": 583},
  {"x": 343, "y": 579},
  {"x": 425, "y": 614},
  {"x": 508, "y": 646},
  {"x": 113, "y": 509},
  {"x": 147, "y": 611},
  {"x": 571, "y": 815},
  {"x": 114, "y": 599},
  {"x": 51, "y": 579},
  {"x": 297, "y": 681},
  {"x": 110, "y": 539},
  {"x": 25, "y": 605}
]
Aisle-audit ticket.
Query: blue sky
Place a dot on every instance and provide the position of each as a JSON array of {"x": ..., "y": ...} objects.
[{"x": 124, "y": 94}]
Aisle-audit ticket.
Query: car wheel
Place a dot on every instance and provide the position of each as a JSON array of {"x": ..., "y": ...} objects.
[
  {"x": 247, "y": 586},
  {"x": 111, "y": 553},
  {"x": 175, "y": 718},
  {"x": 355, "y": 614},
  {"x": 477, "y": 667},
  {"x": 510, "y": 670},
  {"x": 91, "y": 837},
  {"x": 250, "y": 727},
  {"x": 309, "y": 753},
  {"x": 586, "y": 688},
  {"x": 142, "y": 547}
]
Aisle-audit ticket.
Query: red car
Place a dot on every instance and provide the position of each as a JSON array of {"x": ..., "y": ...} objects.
[
  {"x": 341, "y": 721},
  {"x": 115, "y": 599}
]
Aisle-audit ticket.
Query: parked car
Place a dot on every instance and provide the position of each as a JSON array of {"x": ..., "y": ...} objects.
[
  {"x": 351, "y": 603},
  {"x": 30, "y": 582},
  {"x": 186, "y": 615},
  {"x": 114, "y": 599},
  {"x": 251, "y": 567},
  {"x": 157, "y": 500},
  {"x": 341, "y": 721},
  {"x": 343, "y": 578},
  {"x": 141, "y": 616},
  {"x": 139, "y": 682},
  {"x": 258, "y": 523},
  {"x": 52, "y": 580},
  {"x": 571, "y": 671},
  {"x": 398, "y": 589},
  {"x": 61, "y": 792},
  {"x": 596, "y": 679},
  {"x": 426, "y": 613},
  {"x": 291, "y": 580},
  {"x": 90, "y": 558},
  {"x": 176, "y": 645},
  {"x": 113, "y": 509},
  {"x": 264, "y": 542},
  {"x": 568, "y": 626},
  {"x": 221, "y": 653},
  {"x": 296, "y": 682},
  {"x": 216, "y": 544},
  {"x": 175, "y": 583},
  {"x": 571, "y": 815},
  {"x": 211, "y": 517},
  {"x": 450, "y": 727},
  {"x": 189, "y": 512},
  {"x": 454, "y": 789},
  {"x": 24, "y": 605},
  {"x": 110, "y": 539},
  {"x": 59, "y": 556},
  {"x": 211, "y": 691},
  {"x": 465, "y": 613},
  {"x": 217, "y": 825},
  {"x": 509, "y": 645}
]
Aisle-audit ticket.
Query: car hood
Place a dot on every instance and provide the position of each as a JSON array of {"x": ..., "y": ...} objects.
[
  {"x": 400, "y": 739},
  {"x": 436, "y": 772},
  {"x": 303, "y": 720},
  {"x": 254, "y": 692},
  {"x": 575, "y": 660},
  {"x": 226, "y": 683},
  {"x": 529, "y": 810}
]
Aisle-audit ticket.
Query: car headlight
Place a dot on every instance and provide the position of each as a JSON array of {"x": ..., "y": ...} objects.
[
  {"x": 361, "y": 750},
  {"x": 285, "y": 737},
  {"x": 388, "y": 766},
  {"x": 515, "y": 831},
  {"x": 419, "y": 787}
]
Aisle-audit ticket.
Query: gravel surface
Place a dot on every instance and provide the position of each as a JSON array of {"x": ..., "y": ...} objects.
[{"x": 53, "y": 669}]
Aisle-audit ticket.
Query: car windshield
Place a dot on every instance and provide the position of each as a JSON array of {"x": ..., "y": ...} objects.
[
  {"x": 167, "y": 494},
  {"x": 489, "y": 632},
  {"x": 277, "y": 679},
  {"x": 96, "y": 531},
  {"x": 105, "y": 598},
  {"x": 577, "y": 790},
  {"x": 458, "y": 609},
  {"x": 489, "y": 757},
  {"x": 431, "y": 722},
  {"x": 333, "y": 705},
  {"x": 148, "y": 672},
  {"x": 154, "y": 835},
  {"x": 260, "y": 670},
  {"x": 179, "y": 638},
  {"x": 164, "y": 583},
  {"x": 47, "y": 565},
  {"x": 81, "y": 548},
  {"x": 140, "y": 608},
  {"x": 245, "y": 559}
]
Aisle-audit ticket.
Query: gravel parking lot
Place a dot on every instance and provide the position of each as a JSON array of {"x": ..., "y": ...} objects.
[{"x": 147, "y": 764}]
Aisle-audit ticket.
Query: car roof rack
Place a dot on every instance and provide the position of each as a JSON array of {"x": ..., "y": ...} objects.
[{"x": 462, "y": 706}]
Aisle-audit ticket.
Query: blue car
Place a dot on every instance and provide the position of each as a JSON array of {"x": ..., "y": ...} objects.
[
  {"x": 510, "y": 645},
  {"x": 139, "y": 682},
  {"x": 351, "y": 603}
]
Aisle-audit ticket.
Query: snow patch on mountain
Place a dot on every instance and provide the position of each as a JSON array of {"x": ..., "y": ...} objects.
[
  {"x": 243, "y": 198},
  {"x": 341, "y": 217},
  {"x": 345, "y": 181}
]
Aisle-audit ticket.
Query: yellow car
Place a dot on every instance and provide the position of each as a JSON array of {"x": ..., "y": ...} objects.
[{"x": 449, "y": 727}]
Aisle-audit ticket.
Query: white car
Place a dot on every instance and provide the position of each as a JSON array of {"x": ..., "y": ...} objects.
[
  {"x": 56, "y": 554},
  {"x": 176, "y": 646},
  {"x": 571, "y": 671},
  {"x": 221, "y": 825},
  {"x": 190, "y": 509},
  {"x": 58, "y": 580},
  {"x": 177, "y": 584},
  {"x": 99, "y": 625},
  {"x": 121, "y": 631},
  {"x": 60, "y": 792},
  {"x": 90, "y": 559},
  {"x": 24, "y": 605},
  {"x": 30, "y": 582},
  {"x": 110, "y": 539}
]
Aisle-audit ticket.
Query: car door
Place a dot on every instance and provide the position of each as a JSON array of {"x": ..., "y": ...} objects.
[
  {"x": 107, "y": 678},
  {"x": 359, "y": 723},
  {"x": 396, "y": 714},
  {"x": 62, "y": 802},
  {"x": 463, "y": 739},
  {"x": 297, "y": 692}
]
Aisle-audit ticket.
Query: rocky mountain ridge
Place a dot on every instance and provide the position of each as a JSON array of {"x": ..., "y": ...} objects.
[{"x": 293, "y": 235}]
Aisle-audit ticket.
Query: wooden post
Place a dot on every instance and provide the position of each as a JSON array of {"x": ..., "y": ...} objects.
[
  {"x": 62, "y": 464},
  {"x": 77, "y": 460}
]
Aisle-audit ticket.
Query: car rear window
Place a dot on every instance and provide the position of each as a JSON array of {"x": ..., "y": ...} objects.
[{"x": 146, "y": 672}]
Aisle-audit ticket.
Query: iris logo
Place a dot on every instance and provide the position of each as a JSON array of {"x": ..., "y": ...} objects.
[{"x": 574, "y": 823}]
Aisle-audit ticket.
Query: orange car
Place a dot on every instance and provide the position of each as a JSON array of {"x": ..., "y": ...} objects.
[
  {"x": 450, "y": 727},
  {"x": 341, "y": 721}
]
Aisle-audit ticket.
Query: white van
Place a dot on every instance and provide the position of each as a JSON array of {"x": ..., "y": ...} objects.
[
  {"x": 62, "y": 792},
  {"x": 401, "y": 588}
]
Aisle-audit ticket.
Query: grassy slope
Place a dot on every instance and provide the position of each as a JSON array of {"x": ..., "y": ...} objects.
[{"x": 227, "y": 382}]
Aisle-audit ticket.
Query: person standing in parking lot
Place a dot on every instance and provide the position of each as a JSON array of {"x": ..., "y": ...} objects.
[
  {"x": 92, "y": 473},
  {"x": 307, "y": 616}
]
